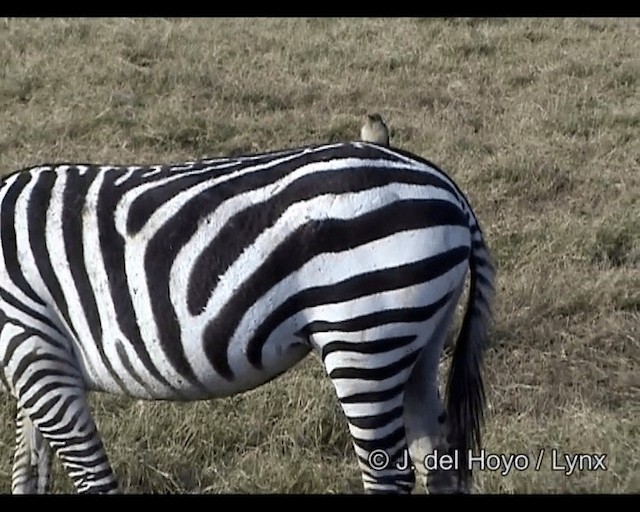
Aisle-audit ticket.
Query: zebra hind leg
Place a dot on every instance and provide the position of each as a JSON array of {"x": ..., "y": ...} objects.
[
  {"x": 53, "y": 407},
  {"x": 32, "y": 459},
  {"x": 426, "y": 418},
  {"x": 369, "y": 380}
]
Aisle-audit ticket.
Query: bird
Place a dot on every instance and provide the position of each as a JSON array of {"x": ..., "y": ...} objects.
[{"x": 375, "y": 130}]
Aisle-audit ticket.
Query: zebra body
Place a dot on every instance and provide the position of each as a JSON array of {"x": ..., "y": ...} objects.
[{"x": 207, "y": 279}]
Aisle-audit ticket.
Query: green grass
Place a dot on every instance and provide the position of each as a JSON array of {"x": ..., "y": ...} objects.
[{"x": 537, "y": 121}]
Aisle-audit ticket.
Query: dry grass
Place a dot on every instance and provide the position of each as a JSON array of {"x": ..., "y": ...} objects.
[{"x": 537, "y": 120}]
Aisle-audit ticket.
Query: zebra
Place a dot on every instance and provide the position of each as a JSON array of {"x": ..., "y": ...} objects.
[{"x": 208, "y": 278}]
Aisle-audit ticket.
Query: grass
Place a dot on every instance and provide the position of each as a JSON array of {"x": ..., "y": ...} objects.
[{"x": 537, "y": 121}]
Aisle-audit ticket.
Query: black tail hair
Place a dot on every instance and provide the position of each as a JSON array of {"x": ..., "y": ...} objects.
[{"x": 465, "y": 388}]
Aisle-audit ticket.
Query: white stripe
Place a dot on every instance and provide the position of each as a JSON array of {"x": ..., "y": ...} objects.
[
  {"x": 320, "y": 207},
  {"x": 166, "y": 210},
  {"x": 418, "y": 296},
  {"x": 97, "y": 274},
  {"x": 372, "y": 434},
  {"x": 61, "y": 265},
  {"x": 7, "y": 284},
  {"x": 123, "y": 179},
  {"x": 26, "y": 259},
  {"x": 355, "y": 410}
]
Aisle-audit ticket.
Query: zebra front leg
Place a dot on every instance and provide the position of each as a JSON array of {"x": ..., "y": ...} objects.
[
  {"x": 32, "y": 459},
  {"x": 63, "y": 417},
  {"x": 42, "y": 452},
  {"x": 51, "y": 398}
]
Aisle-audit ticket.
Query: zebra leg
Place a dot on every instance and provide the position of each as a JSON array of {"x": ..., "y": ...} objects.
[
  {"x": 40, "y": 458},
  {"x": 376, "y": 426},
  {"x": 372, "y": 400},
  {"x": 43, "y": 457},
  {"x": 52, "y": 401},
  {"x": 426, "y": 419},
  {"x": 62, "y": 415},
  {"x": 32, "y": 455},
  {"x": 23, "y": 480}
]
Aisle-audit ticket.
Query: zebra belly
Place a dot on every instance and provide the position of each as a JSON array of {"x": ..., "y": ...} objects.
[{"x": 128, "y": 378}]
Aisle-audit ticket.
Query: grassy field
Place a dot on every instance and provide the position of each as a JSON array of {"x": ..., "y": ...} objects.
[{"x": 538, "y": 121}]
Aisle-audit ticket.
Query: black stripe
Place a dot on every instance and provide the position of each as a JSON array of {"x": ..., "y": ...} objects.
[
  {"x": 374, "y": 396},
  {"x": 172, "y": 236},
  {"x": 112, "y": 252},
  {"x": 144, "y": 206},
  {"x": 63, "y": 429},
  {"x": 74, "y": 197},
  {"x": 99, "y": 458},
  {"x": 44, "y": 390},
  {"x": 391, "y": 439},
  {"x": 422, "y": 160},
  {"x": 9, "y": 246},
  {"x": 149, "y": 201},
  {"x": 475, "y": 225},
  {"x": 354, "y": 287},
  {"x": 13, "y": 344},
  {"x": 124, "y": 358},
  {"x": 306, "y": 242},
  {"x": 405, "y": 481},
  {"x": 243, "y": 228},
  {"x": 377, "y": 421},
  {"x": 82, "y": 463},
  {"x": 82, "y": 453},
  {"x": 11, "y": 300},
  {"x": 35, "y": 377},
  {"x": 478, "y": 245},
  {"x": 44, "y": 408},
  {"x": 389, "y": 316},
  {"x": 103, "y": 487},
  {"x": 483, "y": 281},
  {"x": 58, "y": 416},
  {"x": 369, "y": 347},
  {"x": 101, "y": 475},
  {"x": 380, "y": 373},
  {"x": 394, "y": 456},
  {"x": 30, "y": 331},
  {"x": 36, "y": 218},
  {"x": 89, "y": 427},
  {"x": 60, "y": 364}
]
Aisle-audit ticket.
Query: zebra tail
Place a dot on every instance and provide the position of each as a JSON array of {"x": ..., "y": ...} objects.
[{"x": 465, "y": 388}]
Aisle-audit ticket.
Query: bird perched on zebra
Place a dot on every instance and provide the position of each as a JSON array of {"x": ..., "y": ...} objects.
[
  {"x": 375, "y": 130},
  {"x": 205, "y": 279}
]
